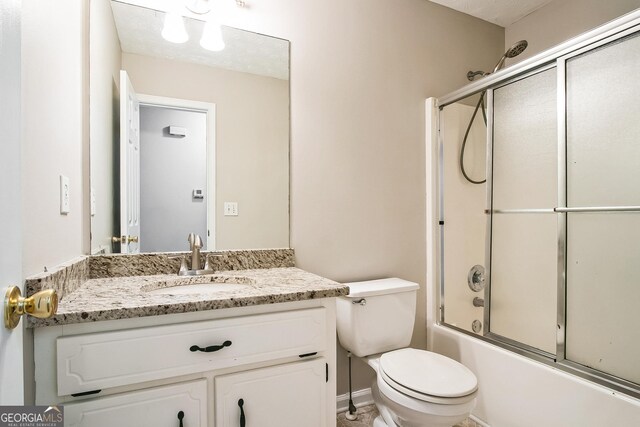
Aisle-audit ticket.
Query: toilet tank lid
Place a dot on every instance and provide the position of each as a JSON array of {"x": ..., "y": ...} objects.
[{"x": 380, "y": 287}]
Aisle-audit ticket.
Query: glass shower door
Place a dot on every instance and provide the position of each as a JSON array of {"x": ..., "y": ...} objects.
[
  {"x": 523, "y": 273},
  {"x": 562, "y": 210},
  {"x": 603, "y": 204}
]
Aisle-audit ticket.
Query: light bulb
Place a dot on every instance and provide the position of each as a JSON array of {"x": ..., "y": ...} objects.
[
  {"x": 212, "y": 36},
  {"x": 173, "y": 30}
]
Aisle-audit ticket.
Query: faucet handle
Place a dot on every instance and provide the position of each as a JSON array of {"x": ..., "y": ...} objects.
[{"x": 183, "y": 263}]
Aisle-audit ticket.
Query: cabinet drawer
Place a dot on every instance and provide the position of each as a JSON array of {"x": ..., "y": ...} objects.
[
  {"x": 102, "y": 360},
  {"x": 155, "y": 407}
]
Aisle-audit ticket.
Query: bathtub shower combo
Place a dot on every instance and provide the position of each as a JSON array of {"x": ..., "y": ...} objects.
[{"x": 538, "y": 211}]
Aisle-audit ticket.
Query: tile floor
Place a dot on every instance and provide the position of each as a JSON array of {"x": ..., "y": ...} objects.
[{"x": 367, "y": 414}]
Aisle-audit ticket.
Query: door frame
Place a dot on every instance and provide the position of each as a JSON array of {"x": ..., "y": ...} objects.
[
  {"x": 129, "y": 166},
  {"x": 210, "y": 110}
]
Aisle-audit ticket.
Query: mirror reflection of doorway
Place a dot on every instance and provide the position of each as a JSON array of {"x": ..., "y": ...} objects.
[{"x": 173, "y": 177}]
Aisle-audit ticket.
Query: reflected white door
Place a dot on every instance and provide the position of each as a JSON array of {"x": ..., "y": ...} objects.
[
  {"x": 11, "y": 365},
  {"x": 129, "y": 167}
]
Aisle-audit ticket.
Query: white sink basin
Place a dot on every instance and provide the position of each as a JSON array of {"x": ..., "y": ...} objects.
[{"x": 198, "y": 285}]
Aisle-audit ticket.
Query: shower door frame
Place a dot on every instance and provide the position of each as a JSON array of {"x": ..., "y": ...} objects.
[{"x": 554, "y": 58}]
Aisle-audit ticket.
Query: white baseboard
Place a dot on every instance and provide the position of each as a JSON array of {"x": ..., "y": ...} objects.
[
  {"x": 479, "y": 421},
  {"x": 360, "y": 398}
]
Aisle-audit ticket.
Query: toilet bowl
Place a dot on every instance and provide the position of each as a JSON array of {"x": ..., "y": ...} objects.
[
  {"x": 412, "y": 388},
  {"x": 419, "y": 388}
]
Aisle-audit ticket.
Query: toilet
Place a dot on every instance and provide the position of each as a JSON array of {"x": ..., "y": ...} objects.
[{"x": 412, "y": 388}]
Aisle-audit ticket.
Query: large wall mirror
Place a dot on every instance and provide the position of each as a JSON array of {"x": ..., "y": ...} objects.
[{"x": 185, "y": 139}]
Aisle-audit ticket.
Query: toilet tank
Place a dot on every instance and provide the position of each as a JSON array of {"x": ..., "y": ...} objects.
[{"x": 377, "y": 316}]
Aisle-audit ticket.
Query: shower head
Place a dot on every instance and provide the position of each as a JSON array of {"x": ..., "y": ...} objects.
[
  {"x": 512, "y": 52},
  {"x": 516, "y": 49}
]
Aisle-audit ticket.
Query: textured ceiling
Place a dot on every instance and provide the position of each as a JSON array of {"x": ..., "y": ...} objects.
[
  {"x": 139, "y": 31},
  {"x": 500, "y": 12}
]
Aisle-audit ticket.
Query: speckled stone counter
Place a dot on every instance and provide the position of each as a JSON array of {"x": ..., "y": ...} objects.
[{"x": 127, "y": 297}]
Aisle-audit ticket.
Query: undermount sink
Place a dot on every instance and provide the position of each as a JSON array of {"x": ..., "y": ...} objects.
[{"x": 210, "y": 284}]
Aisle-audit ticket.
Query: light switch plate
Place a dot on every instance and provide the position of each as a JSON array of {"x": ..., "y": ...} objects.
[
  {"x": 230, "y": 208},
  {"x": 65, "y": 202}
]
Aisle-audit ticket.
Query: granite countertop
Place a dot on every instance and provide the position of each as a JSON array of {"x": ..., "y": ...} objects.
[{"x": 128, "y": 297}]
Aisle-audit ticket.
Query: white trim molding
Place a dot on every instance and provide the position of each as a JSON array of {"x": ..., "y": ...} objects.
[{"x": 360, "y": 398}]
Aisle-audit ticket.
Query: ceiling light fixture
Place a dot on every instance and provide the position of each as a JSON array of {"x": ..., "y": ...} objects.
[
  {"x": 212, "y": 36},
  {"x": 174, "y": 30}
]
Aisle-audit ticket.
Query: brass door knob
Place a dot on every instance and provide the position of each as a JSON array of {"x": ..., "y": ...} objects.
[
  {"x": 125, "y": 239},
  {"x": 43, "y": 305}
]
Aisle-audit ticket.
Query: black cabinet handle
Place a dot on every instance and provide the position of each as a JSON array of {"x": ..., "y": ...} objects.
[
  {"x": 211, "y": 348},
  {"x": 242, "y": 418},
  {"x": 180, "y": 417}
]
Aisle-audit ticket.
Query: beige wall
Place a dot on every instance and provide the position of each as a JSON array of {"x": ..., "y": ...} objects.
[
  {"x": 561, "y": 20},
  {"x": 54, "y": 72},
  {"x": 105, "y": 60},
  {"x": 252, "y": 143}
]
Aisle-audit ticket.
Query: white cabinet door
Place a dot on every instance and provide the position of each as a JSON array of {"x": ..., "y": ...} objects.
[
  {"x": 290, "y": 395},
  {"x": 155, "y": 407}
]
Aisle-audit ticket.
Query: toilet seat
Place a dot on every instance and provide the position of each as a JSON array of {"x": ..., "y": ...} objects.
[
  {"x": 428, "y": 376},
  {"x": 402, "y": 404}
]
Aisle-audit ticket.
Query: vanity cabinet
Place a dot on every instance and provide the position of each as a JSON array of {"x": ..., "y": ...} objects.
[{"x": 278, "y": 360}]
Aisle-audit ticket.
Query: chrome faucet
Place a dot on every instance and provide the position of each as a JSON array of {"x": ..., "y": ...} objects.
[
  {"x": 197, "y": 269},
  {"x": 195, "y": 243}
]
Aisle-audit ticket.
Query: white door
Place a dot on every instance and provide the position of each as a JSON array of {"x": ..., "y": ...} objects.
[
  {"x": 11, "y": 365},
  {"x": 290, "y": 395},
  {"x": 129, "y": 167},
  {"x": 180, "y": 405},
  {"x": 172, "y": 169}
]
